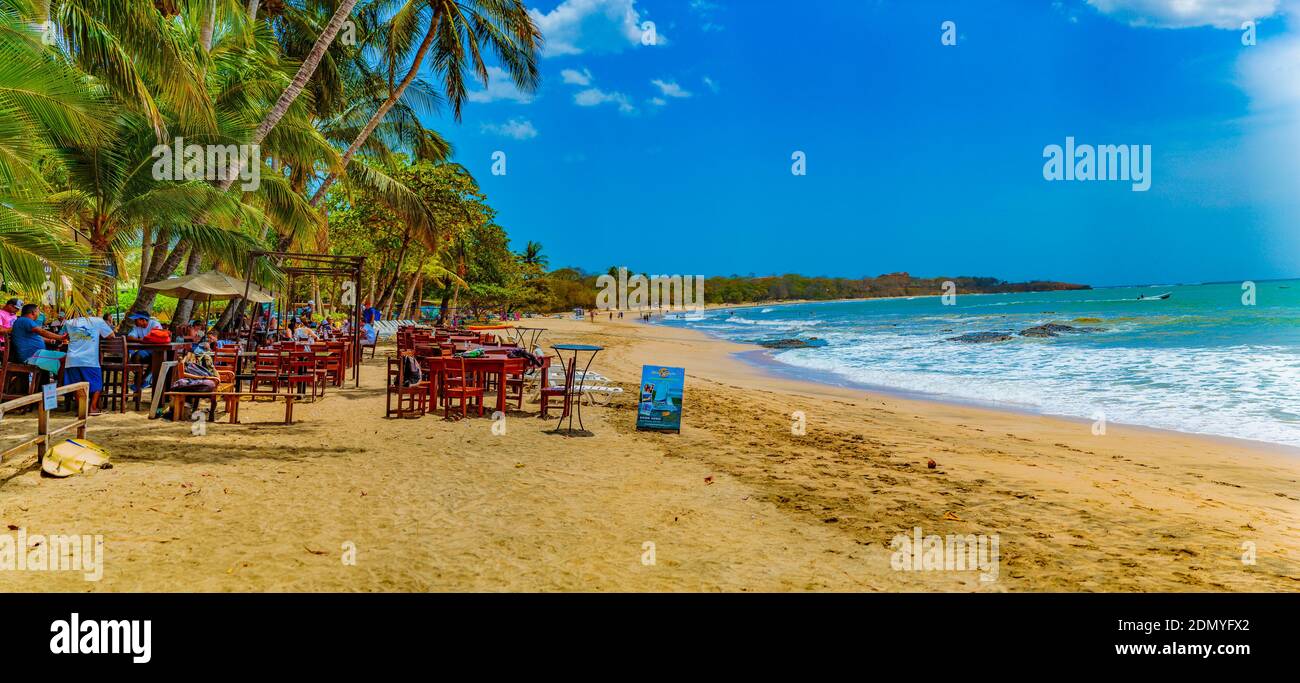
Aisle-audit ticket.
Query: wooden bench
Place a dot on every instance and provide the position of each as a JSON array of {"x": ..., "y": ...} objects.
[{"x": 232, "y": 402}]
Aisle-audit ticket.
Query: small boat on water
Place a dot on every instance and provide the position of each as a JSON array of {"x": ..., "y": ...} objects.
[{"x": 1143, "y": 297}]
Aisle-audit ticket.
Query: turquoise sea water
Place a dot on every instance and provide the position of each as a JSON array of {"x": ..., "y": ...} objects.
[{"x": 1200, "y": 361}]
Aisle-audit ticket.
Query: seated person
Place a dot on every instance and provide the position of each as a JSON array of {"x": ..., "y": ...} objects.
[
  {"x": 305, "y": 333},
  {"x": 29, "y": 342}
]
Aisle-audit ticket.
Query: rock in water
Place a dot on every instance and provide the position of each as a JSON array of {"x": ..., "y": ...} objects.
[
  {"x": 1054, "y": 330},
  {"x": 981, "y": 337},
  {"x": 792, "y": 343}
]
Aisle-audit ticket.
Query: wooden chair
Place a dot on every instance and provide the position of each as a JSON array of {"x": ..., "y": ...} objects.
[
  {"x": 303, "y": 372},
  {"x": 412, "y": 401},
  {"x": 333, "y": 365},
  {"x": 225, "y": 384},
  {"x": 30, "y": 374},
  {"x": 11, "y": 370},
  {"x": 117, "y": 369},
  {"x": 456, "y": 382},
  {"x": 266, "y": 371},
  {"x": 514, "y": 381}
]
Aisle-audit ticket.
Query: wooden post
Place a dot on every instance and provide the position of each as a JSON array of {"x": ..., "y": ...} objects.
[{"x": 42, "y": 431}]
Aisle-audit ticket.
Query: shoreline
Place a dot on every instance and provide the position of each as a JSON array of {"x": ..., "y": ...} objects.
[
  {"x": 763, "y": 359},
  {"x": 766, "y": 361},
  {"x": 736, "y": 502}
]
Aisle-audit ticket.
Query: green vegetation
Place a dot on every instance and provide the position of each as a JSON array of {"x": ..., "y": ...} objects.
[
  {"x": 570, "y": 288},
  {"x": 328, "y": 92}
]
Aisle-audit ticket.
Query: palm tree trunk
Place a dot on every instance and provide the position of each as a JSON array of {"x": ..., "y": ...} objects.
[
  {"x": 144, "y": 298},
  {"x": 413, "y": 289},
  {"x": 185, "y": 308},
  {"x": 380, "y": 114},
  {"x": 299, "y": 80},
  {"x": 159, "y": 257},
  {"x": 390, "y": 290},
  {"x": 209, "y": 23},
  {"x": 146, "y": 251},
  {"x": 442, "y": 306},
  {"x": 252, "y": 10}
]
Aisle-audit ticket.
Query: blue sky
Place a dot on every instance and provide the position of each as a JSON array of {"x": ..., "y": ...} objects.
[{"x": 676, "y": 157}]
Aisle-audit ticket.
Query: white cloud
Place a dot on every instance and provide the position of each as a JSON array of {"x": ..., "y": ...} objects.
[
  {"x": 575, "y": 77},
  {"x": 658, "y": 101},
  {"x": 670, "y": 88},
  {"x": 519, "y": 129},
  {"x": 593, "y": 97},
  {"x": 500, "y": 87},
  {"x": 580, "y": 26},
  {"x": 705, "y": 10},
  {"x": 1226, "y": 14},
  {"x": 711, "y": 84}
]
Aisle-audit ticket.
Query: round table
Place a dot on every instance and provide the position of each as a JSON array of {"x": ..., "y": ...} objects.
[
  {"x": 532, "y": 334},
  {"x": 570, "y": 374}
]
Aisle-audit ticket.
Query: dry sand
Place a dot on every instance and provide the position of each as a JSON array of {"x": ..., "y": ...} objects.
[{"x": 736, "y": 502}]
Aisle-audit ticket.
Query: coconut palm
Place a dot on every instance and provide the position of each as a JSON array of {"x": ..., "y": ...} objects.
[
  {"x": 458, "y": 34},
  {"x": 533, "y": 255},
  {"x": 300, "y": 78},
  {"x": 44, "y": 101}
]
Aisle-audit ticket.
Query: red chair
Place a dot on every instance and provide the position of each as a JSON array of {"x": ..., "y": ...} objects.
[
  {"x": 11, "y": 370},
  {"x": 514, "y": 381},
  {"x": 412, "y": 400},
  {"x": 266, "y": 371},
  {"x": 333, "y": 364},
  {"x": 456, "y": 382},
  {"x": 303, "y": 373}
]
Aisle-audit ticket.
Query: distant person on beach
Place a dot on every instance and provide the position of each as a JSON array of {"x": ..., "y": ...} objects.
[
  {"x": 369, "y": 314},
  {"x": 84, "y": 334}
]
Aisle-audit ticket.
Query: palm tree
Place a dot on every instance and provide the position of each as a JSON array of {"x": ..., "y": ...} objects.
[
  {"x": 458, "y": 34},
  {"x": 304, "y": 74},
  {"x": 44, "y": 101},
  {"x": 533, "y": 255}
]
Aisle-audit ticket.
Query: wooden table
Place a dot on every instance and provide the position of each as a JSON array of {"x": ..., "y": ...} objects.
[{"x": 158, "y": 354}]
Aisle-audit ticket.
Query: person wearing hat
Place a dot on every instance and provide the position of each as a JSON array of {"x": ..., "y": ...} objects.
[
  {"x": 9, "y": 314},
  {"x": 141, "y": 325}
]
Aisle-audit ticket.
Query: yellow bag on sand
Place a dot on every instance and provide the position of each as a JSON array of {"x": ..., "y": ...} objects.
[{"x": 74, "y": 457}]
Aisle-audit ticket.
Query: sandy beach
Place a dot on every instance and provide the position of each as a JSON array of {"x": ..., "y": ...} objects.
[{"x": 736, "y": 502}]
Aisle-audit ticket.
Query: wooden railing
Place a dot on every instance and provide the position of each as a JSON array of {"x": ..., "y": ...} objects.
[{"x": 43, "y": 431}]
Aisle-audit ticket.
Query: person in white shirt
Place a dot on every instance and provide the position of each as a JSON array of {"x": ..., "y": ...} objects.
[{"x": 82, "y": 363}]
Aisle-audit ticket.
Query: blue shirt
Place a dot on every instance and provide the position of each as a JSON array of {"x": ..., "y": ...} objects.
[
  {"x": 370, "y": 314},
  {"x": 26, "y": 341},
  {"x": 142, "y": 332}
]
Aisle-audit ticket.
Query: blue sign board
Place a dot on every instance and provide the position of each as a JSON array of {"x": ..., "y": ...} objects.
[
  {"x": 660, "y": 406},
  {"x": 50, "y": 396}
]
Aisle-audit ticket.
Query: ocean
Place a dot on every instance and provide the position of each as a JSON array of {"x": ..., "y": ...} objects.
[{"x": 1200, "y": 361}]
